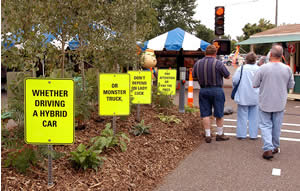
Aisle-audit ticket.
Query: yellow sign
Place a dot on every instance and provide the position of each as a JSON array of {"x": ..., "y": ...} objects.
[
  {"x": 114, "y": 98},
  {"x": 49, "y": 111},
  {"x": 167, "y": 81},
  {"x": 140, "y": 87}
]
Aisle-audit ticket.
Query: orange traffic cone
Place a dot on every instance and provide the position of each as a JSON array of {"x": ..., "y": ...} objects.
[{"x": 190, "y": 90}]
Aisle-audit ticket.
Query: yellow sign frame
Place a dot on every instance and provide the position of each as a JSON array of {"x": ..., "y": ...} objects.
[
  {"x": 106, "y": 109},
  {"x": 159, "y": 81},
  {"x": 64, "y": 134},
  {"x": 141, "y": 99}
]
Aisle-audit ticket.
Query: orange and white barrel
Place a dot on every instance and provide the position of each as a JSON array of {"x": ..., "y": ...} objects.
[{"x": 190, "y": 90}]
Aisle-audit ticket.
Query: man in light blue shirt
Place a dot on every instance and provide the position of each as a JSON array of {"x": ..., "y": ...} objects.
[
  {"x": 273, "y": 80},
  {"x": 247, "y": 98}
]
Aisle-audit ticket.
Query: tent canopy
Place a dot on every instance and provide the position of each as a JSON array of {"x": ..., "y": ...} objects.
[
  {"x": 284, "y": 33},
  {"x": 72, "y": 43},
  {"x": 13, "y": 40},
  {"x": 175, "y": 40},
  {"x": 270, "y": 39}
]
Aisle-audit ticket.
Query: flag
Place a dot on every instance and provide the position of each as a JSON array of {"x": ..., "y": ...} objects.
[{"x": 235, "y": 56}]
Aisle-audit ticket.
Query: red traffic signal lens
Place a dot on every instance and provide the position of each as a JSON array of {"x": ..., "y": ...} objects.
[
  {"x": 220, "y": 21},
  {"x": 220, "y": 11}
]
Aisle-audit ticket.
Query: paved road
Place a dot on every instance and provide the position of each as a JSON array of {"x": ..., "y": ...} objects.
[{"x": 237, "y": 164}]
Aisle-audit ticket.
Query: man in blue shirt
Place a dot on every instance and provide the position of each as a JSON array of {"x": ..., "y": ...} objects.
[{"x": 210, "y": 73}]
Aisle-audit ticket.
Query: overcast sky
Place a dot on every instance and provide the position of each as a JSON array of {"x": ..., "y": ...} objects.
[{"x": 240, "y": 12}]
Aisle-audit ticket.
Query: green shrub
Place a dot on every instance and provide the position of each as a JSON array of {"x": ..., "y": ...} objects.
[
  {"x": 169, "y": 119},
  {"x": 108, "y": 139},
  {"x": 16, "y": 103},
  {"x": 160, "y": 100},
  {"x": 124, "y": 117},
  {"x": 6, "y": 115},
  {"x": 86, "y": 158},
  {"x": 82, "y": 107},
  {"x": 56, "y": 73},
  {"x": 189, "y": 109},
  {"x": 140, "y": 129},
  {"x": 43, "y": 152},
  {"x": 92, "y": 85},
  {"x": 22, "y": 158},
  {"x": 11, "y": 140}
]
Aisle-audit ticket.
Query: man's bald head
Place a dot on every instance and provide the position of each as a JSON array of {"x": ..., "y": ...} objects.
[{"x": 277, "y": 51}]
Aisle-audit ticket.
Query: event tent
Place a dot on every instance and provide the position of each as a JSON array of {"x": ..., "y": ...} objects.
[
  {"x": 175, "y": 40},
  {"x": 72, "y": 43},
  {"x": 13, "y": 40}
]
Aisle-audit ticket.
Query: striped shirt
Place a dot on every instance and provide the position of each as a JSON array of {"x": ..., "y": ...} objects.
[{"x": 210, "y": 72}]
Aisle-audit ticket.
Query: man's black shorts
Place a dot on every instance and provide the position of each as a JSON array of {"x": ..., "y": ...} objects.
[{"x": 212, "y": 97}]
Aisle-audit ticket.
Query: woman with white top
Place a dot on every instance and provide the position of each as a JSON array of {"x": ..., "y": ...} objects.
[{"x": 247, "y": 98}]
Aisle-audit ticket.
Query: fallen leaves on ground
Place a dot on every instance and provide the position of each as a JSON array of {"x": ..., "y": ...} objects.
[{"x": 148, "y": 159}]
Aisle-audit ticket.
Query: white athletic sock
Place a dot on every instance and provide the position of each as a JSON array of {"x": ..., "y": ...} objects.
[
  {"x": 207, "y": 132},
  {"x": 220, "y": 130}
]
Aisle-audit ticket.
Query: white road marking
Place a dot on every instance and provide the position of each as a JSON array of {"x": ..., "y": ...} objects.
[
  {"x": 282, "y": 130},
  {"x": 281, "y": 138},
  {"x": 285, "y": 124},
  {"x": 276, "y": 172}
]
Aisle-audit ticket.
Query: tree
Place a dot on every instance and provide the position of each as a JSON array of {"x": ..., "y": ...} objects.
[
  {"x": 174, "y": 13},
  {"x": 24, "y": 30},
  {"x": 204, "y": 33},
  {"x": 251, "y": 29},
  {"x": 107, "y": 31}
]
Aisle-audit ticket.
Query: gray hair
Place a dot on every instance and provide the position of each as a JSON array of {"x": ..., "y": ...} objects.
[
  {"x": 262, "y": 60},
  {"x": 277, "y": 51}
]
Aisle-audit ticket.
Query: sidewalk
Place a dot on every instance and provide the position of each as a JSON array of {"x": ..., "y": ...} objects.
[
  {"x": 234, "y": 165},
  {"x": 238, "y": 164}
]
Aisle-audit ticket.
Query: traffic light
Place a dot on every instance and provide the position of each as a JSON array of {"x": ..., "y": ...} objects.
[
  {"x": 219, "y": 20},
  {"x": 223, "y": 46}
]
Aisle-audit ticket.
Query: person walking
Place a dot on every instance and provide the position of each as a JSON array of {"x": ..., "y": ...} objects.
[
  {"x": 262, "y": 61},
  {"x": 210, "y": 73},
  {"x": 273, "y": 80},
  {"x": 247, "y": 98}
]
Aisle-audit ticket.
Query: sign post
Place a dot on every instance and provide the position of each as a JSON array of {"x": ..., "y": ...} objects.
[
  {"x": 140, "y": 89},
  {"x": 167, "y": 81},
  {"x": 182, "y": 89},
  {"x": 49, "y": 114},
  {"x": 114, "y": 98},
  {"x": 50, "y": 149}
]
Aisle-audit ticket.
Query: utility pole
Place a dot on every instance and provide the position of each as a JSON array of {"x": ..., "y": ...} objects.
[{"x": 276, "y": 13}]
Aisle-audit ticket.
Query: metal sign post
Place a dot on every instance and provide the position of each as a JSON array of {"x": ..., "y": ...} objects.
[
  {"x": 50, "y": 181},
  {"x": 40, "y": 119},
  {"x": 182, "y": 89},
  {"x": 138, "y": 113},
  {"x": 114, "y": 124}
]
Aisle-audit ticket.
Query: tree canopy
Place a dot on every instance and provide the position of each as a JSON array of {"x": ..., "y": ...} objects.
[
  {"x": 86, "y": 21},
  {"x": 204, "y": 33},
  {"x": 174, "y": 13},
  {"x": 251, "y": 29}
]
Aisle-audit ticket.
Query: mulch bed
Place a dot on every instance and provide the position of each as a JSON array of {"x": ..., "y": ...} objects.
[{"x": 148, "y": 159}]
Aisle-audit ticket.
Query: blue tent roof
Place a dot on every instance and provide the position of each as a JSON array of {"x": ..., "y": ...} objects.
[{"x": 175, "y": 40}]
